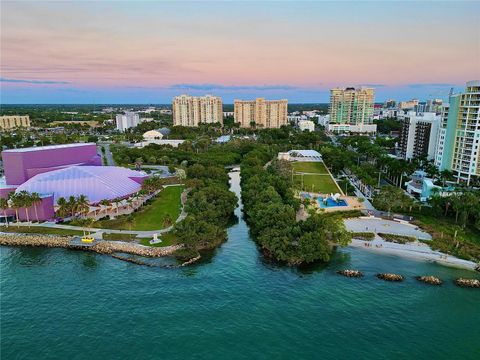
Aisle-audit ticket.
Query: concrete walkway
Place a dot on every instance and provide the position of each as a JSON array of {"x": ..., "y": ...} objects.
[{"x": 368, "y": 205}]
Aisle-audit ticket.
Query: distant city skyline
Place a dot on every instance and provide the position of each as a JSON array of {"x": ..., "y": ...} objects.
[{"x": 150, "y": 52}]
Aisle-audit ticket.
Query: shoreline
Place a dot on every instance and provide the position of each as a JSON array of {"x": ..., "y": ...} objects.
[
  {"x": 415, "y": 250},
  {"x": 104, "y": 247}
]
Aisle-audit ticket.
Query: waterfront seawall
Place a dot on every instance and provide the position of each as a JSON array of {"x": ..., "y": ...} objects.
[{"x": 103, "y": 247}]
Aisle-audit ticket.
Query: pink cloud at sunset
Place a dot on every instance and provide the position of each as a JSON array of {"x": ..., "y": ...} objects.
[{"x": 109, "y": 47}]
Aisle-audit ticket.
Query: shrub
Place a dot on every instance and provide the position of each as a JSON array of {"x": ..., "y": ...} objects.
[
  {"x": 399, "y": 239},
  {"x": 367, "y": 236}
]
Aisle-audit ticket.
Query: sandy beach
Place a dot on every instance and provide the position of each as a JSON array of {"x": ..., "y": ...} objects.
[{"x": 414, "y": 250}]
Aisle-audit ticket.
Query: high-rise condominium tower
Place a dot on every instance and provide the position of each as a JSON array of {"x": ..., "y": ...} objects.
[
  {"x": 351, "y": 110},
  {"x": 128, "y": 120},
  {"x": 261, "y": 113},
  {"x": 195, "y": 110},
  {"x": 418, "y": 137},
  {"x": 458, "y": 147}
]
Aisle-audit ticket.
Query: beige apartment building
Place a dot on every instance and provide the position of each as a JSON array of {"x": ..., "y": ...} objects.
[
  {"x": 195, "y": 110},
  {"x": 10, "y": 122},
  {"x": 263, "y": 113}
]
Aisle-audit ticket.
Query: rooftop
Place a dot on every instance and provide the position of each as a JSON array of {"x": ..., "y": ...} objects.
[
  {"x": 49, "y": 147},
  {"x": 96, "y": 182},
  {"x": 304, "y": 153}
]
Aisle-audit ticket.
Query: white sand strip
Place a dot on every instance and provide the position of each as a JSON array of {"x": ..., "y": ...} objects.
[{"x": 415, "y": 250}]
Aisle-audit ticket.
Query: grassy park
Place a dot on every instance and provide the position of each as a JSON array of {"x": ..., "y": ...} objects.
[
  {"x": 153, "y": 216},
  {"x": 315, "y": 179},
  {"x": 310, "y": 167},
  {"x": 167, "y": 240},
  {"x": 39, "y": 230}
]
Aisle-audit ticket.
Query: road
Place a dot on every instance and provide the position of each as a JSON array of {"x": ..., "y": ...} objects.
[{"x": 108, "y": 153}]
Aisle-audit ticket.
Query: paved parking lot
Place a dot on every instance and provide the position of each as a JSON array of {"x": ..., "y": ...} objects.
[{"x": 384, "y": 226}]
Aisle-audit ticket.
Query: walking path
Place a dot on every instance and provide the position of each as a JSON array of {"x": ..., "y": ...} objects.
[
  {"x": 97, "y": 232},
  {"x": 359, "y": 194}
]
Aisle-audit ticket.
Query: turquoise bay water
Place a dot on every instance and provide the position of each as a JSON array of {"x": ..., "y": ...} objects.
[{"x": 60, "y": 304}]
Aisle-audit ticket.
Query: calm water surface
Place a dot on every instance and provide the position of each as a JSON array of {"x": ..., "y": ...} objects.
[{"x": 60, "y": 304}]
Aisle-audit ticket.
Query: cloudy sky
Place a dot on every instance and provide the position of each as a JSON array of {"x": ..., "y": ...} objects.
[{"x": 148, "y": 52}]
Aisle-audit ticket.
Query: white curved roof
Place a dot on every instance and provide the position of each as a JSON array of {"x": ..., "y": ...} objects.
[
  {"x": 152, "y": 134},
  {"x": 305, "y": 153},
  {"x": 95, "y": 182}
]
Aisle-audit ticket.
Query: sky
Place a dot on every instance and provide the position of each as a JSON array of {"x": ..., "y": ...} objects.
[{"x": 148, "y": 52}]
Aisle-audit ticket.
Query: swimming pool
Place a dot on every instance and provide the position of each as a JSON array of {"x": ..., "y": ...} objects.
[{"x": 330, "y": 202}]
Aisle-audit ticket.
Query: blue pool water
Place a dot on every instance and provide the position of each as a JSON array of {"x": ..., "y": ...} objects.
[{"x": 330, "y": 203}]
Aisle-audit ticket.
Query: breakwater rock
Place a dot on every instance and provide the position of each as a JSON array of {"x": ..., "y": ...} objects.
[
  {"x": 350, "y": 273},
  {"x": 110, "y": 247},
  {"x": 431, "y": 280},
  {"x": 34, "y": 240},
  {"x": 390, "y": 277},
  {"x": 471, "y": 283},
  {"x": 103, "y": 247},
  {"x": 141, "y": 262}
]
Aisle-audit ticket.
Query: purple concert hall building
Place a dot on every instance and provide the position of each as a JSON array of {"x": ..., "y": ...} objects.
[
  {"x": 23, "y": 164},
  {"x": 61, "y": 171}
]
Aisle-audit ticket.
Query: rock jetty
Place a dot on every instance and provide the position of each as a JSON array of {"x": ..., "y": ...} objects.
[
  {"x": 431, "y": 280},
  {"x": 103, "y": 247},
  {"x": 390, "y": 277},
  {"x": 110, "y": 247},
  {"x": 350, "y": 273},
  {"x": 34, "y": 240},
  {"x": 470, "y": 283}
]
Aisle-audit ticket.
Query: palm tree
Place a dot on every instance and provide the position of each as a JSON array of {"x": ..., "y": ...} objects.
[
  {"x": 15, "y": 203},
  {"x": 129, "y": 202},
  {"x": 62, "y": 206},
  {"x": 4, "y": 207},
  {"x": 26, "y": 202},
  {"x": 457, "y": 205},
  {"x": 116, "y": 201},
  {"x": 105, "y": 202},
  {"x": 81, "y": 205},
  {"x": 35, "y": 197},
  {"x": 71, "y": 205}
]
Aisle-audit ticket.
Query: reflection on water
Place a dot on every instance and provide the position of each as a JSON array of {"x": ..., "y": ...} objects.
[
  {"x": 90, "y": 260},
  {"x": 32, "y": 256}
]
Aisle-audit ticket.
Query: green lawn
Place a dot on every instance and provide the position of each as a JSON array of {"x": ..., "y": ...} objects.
[
  {"x": 150, "y": 217},
  {"x": 437, "y": 224},
  {"x": 39, "y": 230},
  {"x": 119, "y": 237},
  {"x": 322, "y": 183},
  {"x": 167, "y": 240},
  {"x": 310, "y": 167},
  {"x": 316, "y": 183}
]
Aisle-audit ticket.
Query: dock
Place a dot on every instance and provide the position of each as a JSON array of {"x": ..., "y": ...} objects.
[{"x": 77, "y": 241}]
